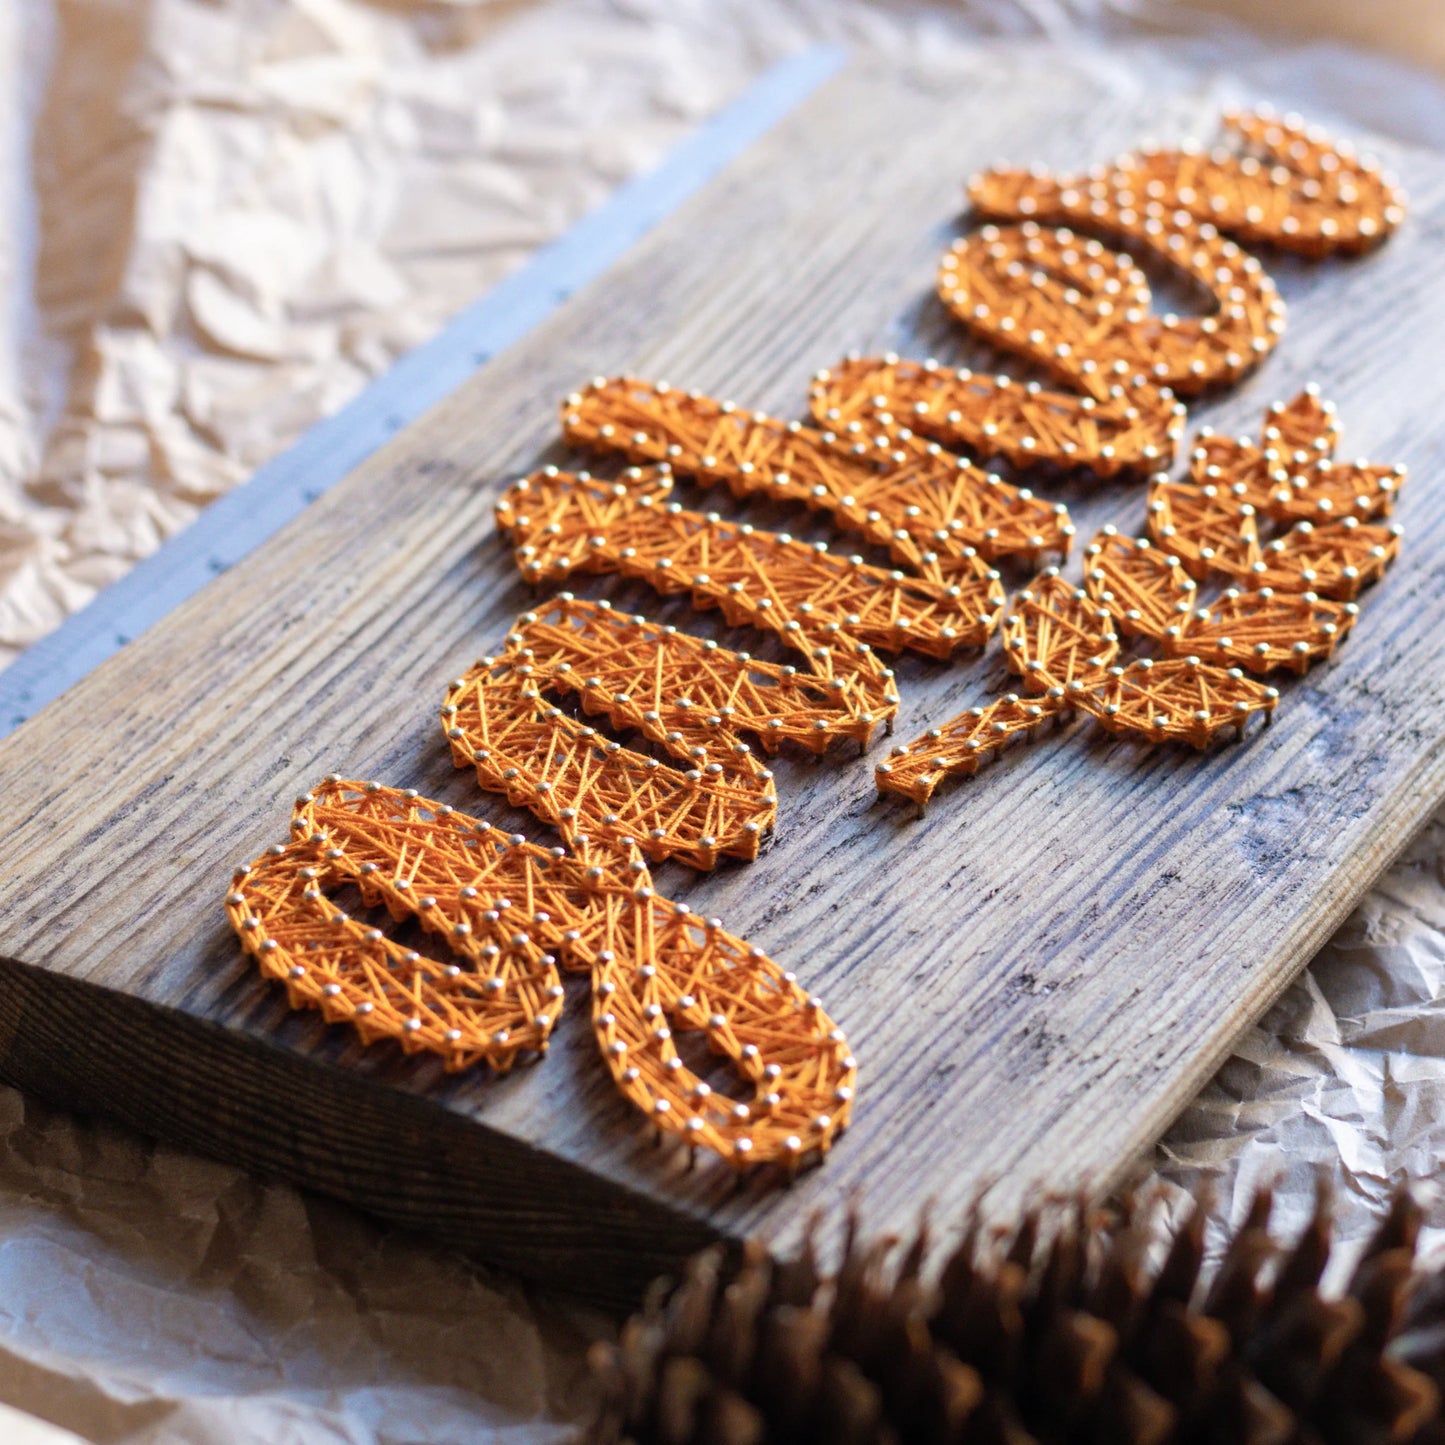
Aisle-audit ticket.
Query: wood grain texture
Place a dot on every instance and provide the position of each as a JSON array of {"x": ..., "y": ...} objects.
[{"x": 1035, "y": 978}]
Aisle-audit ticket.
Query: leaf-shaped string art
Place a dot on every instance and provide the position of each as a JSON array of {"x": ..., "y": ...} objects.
[
  {"x": 510, "y": 914},
  {"x": 1030, "y": 284},
  {"x": 1289, "y": 607}
]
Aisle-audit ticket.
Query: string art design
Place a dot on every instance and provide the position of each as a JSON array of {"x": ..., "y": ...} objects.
[
  {"x": 1081, "y": 313},
  {"x": 511, "y": 915},
  {"x": 929, "y": 508},
  {"x": 770, "y": 580},
  {"x": 1293, "y": 532},
  {"x": 1273, "y": 179},
  {"x": 1290, "y": 607},
  {"x": 694, "y": 700}
]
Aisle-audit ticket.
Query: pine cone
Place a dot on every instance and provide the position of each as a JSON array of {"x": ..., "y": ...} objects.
[{"x": 1080, "y": 1327}]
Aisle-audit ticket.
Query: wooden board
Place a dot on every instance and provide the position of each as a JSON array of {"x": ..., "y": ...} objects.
[{"x": 1035, "y": 978}]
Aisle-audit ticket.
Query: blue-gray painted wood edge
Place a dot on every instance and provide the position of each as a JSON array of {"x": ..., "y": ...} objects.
[{"x": 245, "y": 517}]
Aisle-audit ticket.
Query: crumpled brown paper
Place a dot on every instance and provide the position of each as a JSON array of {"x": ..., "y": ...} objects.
[{"x": 221, "y": 217}]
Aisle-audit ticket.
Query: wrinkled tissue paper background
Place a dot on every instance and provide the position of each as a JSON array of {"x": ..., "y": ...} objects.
[{"x": 220, "y": 219}]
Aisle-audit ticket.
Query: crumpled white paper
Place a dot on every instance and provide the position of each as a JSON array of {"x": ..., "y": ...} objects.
[
  {"x": 1346, "y": 1072},
  {"x": 220, "y": 218},
  {"x": 150, "y": 1296}
]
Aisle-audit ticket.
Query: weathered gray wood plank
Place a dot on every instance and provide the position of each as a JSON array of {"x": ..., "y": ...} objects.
[{"x": 1035, "y": 977}]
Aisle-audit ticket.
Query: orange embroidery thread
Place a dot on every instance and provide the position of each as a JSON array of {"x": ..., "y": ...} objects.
[
  {"x": 1273, "y": 179},
  {"x": 510, "y": 912},
  {"x": 1130, "y": 425},
  {"x": 805, "y": 594},
  {"x": 1334, "y": 546},
  {"x": 696, "y": 699},
  {"x": 1063, "y": 640},
  {"x": 1081, "y": 312},
  {"x": 657, "y": 970}
]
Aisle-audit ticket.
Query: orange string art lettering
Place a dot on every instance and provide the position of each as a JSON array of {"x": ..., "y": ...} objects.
[
  {"x": 511, "y": 914},
  {"x": 1031, "y": 285},
  {"x": 695, "y": 699},
  {"x": 890, "y": 456},
  {"x": 933, "y": 511},
  {"x": 658, "y": 972}
]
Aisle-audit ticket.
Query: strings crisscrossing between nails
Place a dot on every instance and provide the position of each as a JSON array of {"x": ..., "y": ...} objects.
[
  {"x": 1035, "y": 285},
  {"x": 511, "y": 915},
  {"x": 889, "y": 455},
  {"x": 1289, "y": 605}
]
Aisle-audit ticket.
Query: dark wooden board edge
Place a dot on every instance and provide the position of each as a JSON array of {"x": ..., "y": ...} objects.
[{"x": 272, "y": 1112}]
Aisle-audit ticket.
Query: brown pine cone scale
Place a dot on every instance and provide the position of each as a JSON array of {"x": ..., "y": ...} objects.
[{"x": 1076, "y": 1329}]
